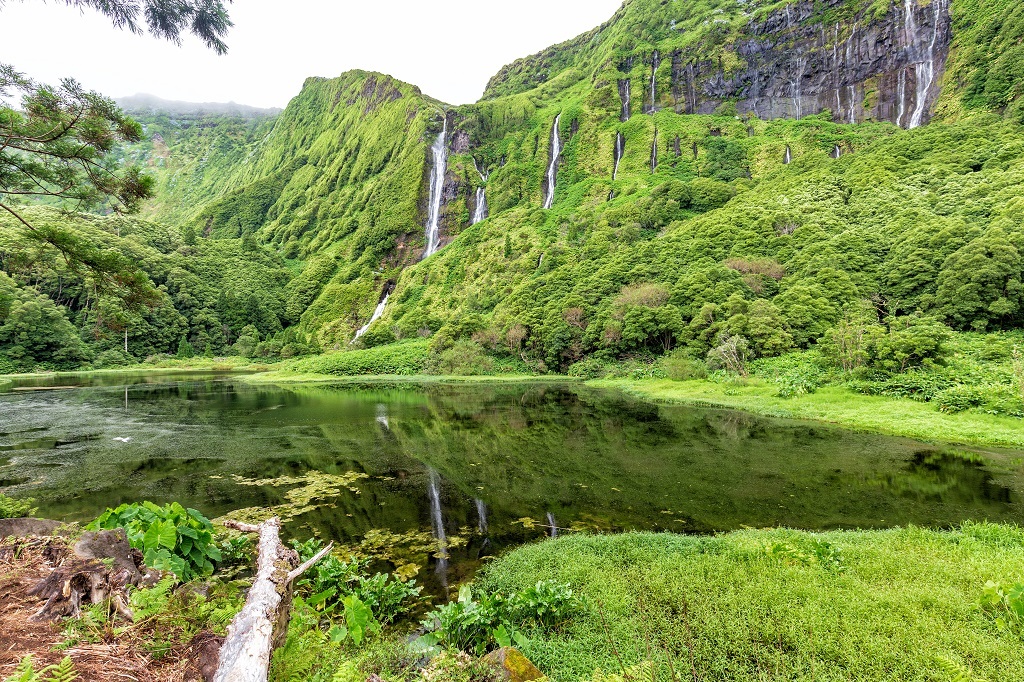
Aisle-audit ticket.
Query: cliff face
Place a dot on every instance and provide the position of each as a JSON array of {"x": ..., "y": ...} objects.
[{"x": 887, "y": 69}]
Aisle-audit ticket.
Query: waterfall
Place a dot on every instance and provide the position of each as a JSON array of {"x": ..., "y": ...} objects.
[
  {"x": 382, "y": 416},
  {"x": 901, "y": 95},
  {"x": 440, "y": 154},
  {"x": 625, "y": 86},
  {"x": 552, "y": 528},
  {"x": 437, "y": 526},
  {"x": 837, "y": 152},
  {"x": 480, "y": 212},
  {"x": 481, "y": 515},
  {"x": 853, "y": 103},
  {"x": 556, "y": 152},
  {"x": 925, "y": 71},
  {"x": 376, "y": 315},
  {"x": 789, "y": 156},
  {"x": 655, "y": 63},
  {"x": 654, "y": 153},
  {"x": 620, "y": 148}
]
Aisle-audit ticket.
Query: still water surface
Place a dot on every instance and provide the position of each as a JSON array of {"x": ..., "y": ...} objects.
[{"x": 442, "y": 476}]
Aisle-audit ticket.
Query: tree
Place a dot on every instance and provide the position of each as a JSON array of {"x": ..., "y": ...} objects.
[
  {"x": 731, "y": 354},
  {"x": 58, "y": 144},
  {"x": 206, "y": 19}
]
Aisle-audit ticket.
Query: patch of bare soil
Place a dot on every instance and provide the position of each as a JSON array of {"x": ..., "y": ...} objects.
[{"x": 27, "y": 562}]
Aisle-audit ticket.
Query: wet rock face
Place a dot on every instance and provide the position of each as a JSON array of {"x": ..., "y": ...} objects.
[{"x": 885, "y": 69}]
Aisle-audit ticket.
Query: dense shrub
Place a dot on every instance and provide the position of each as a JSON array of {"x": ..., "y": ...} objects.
[{"x": 11, "y": 508}]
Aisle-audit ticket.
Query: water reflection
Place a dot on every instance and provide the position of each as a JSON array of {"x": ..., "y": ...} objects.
[{"x": 463, "y": 471}]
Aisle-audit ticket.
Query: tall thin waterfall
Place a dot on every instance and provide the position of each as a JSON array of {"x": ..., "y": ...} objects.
[
  {"x": 837, "y": 152},
  {"x": 620, "y": 148},
  {"x": 552, "y": 528},
  {"x": 925, "y": 71},
  {"x": 440, "y": 154},
  {"x": 481, "y": 516},
  {"x": 655, "y": 63},
  {"x": 788, "y": 158},
  {"x": 376, "y": 316},
  {"x": 556, "y": 152},
  {"x": 480, "y": 212},
  {"x": 625, "y": 88},
  {"x": 654, "y": 153},
  {"x": 437, "y": 526}
]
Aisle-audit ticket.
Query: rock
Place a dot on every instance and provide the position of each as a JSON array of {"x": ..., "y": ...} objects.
[
  {"x": 206, "y": 650},
  {"x": 512, "y": 666},
  {"x": 23, "y": 528},
  {"x": 113, "y": 545}
]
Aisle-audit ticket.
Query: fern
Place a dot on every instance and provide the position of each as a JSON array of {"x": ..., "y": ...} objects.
[
  {"x": 24, "y": 672},
  {"x": 957, "y": 672},
  {"x": 61, "y": 672}
]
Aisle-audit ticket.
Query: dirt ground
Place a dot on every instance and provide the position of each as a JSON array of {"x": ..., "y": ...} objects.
[{"x": 23, "y": 564}]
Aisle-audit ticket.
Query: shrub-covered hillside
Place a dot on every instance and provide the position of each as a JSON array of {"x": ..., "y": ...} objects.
[{"x": 718, "y": 172}]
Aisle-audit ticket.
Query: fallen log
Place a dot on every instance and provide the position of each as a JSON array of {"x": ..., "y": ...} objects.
[{"x": 262, "y": 624}]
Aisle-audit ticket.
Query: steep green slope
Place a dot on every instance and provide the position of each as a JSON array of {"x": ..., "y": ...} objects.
[{"x": 721, "y": 168}]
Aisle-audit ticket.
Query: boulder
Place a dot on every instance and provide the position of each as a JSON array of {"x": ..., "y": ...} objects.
[{"x": 512, "y": 665}]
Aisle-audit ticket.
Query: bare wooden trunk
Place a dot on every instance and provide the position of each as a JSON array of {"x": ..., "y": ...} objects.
[{"x": 262, "y": 624}]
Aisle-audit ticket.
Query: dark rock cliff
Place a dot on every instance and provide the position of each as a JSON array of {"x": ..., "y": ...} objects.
[{"x": 887, "y": 69}]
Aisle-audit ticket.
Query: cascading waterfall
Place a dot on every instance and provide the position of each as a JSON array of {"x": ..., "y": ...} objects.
[
  {"x": 620, "y": 148},
  {"x": 654, "y": 153},
  {"x": 788, "y": 158},
  {"x": 481, "y": 516},
  {"x": 655, "y": 63},
  {"x": 556, "y": 152},
  {"x": 480, "y": 213},
  {"x": 837, "y": 152},
  {"x": 925, "y": 71},
  {"x": 437, "y": 526},
  {"x": 901, "y": 95},
  {"x": 625, "y": 88},
  {"x": 376, "y": 316},
  {"x": 552, "y": 528},
  {"x": 440, "y": 153}
]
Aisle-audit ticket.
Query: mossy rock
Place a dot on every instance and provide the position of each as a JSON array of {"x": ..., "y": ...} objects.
[{"x": 512, "y": 665}]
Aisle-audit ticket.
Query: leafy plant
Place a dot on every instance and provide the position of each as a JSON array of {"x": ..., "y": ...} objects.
[
  {"x": 1004, "y": 605},
  {"x": 171, "y": 537},
  {"x": 475, "y": 625},
  {"x": 814, "y": 552},
  {"x": 11, "y": 508},
  {"x": 359, "y": 622},
  {"x": 329, "y": 583},
  {"x": 61, "y": 672}
]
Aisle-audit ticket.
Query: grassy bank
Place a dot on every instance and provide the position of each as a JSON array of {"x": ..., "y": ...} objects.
[
  {"x": 783, "y": 605},
  {"x": 834, "y": 404}
]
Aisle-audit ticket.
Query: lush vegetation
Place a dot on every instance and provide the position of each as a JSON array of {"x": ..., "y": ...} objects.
[
  {"x": 16, "y": 508},
  {"x": 895, "y": 605},
  {"x": 171, "y": 537}
]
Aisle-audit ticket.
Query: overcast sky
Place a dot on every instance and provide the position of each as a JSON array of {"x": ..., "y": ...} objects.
[{"x": 447, "y": 47}]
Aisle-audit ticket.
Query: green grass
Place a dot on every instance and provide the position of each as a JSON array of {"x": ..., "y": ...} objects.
[
  {"x": 903, "y": 607},
  {"x": 898, "y": 417}
]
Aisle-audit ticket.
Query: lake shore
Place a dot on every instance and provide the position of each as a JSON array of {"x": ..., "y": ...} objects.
[
  {"x": 830, "y": 404},
  {"x": 834, "y": 405}
]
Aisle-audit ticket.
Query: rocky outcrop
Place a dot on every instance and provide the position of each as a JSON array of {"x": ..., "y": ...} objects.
[{"x": 887, "y": 69}]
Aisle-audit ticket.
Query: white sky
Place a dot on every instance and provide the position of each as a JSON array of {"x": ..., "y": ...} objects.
[{"x": 449, "y": 48}]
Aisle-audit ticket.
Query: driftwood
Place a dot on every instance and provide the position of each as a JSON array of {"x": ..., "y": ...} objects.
[{"x": 262, "y": 624}]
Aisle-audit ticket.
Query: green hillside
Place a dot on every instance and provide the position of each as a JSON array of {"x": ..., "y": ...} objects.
[{"x": 767, "y": 215}]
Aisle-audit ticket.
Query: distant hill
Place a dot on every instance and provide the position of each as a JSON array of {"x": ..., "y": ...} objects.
[{"x": 146, "y": 102}]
